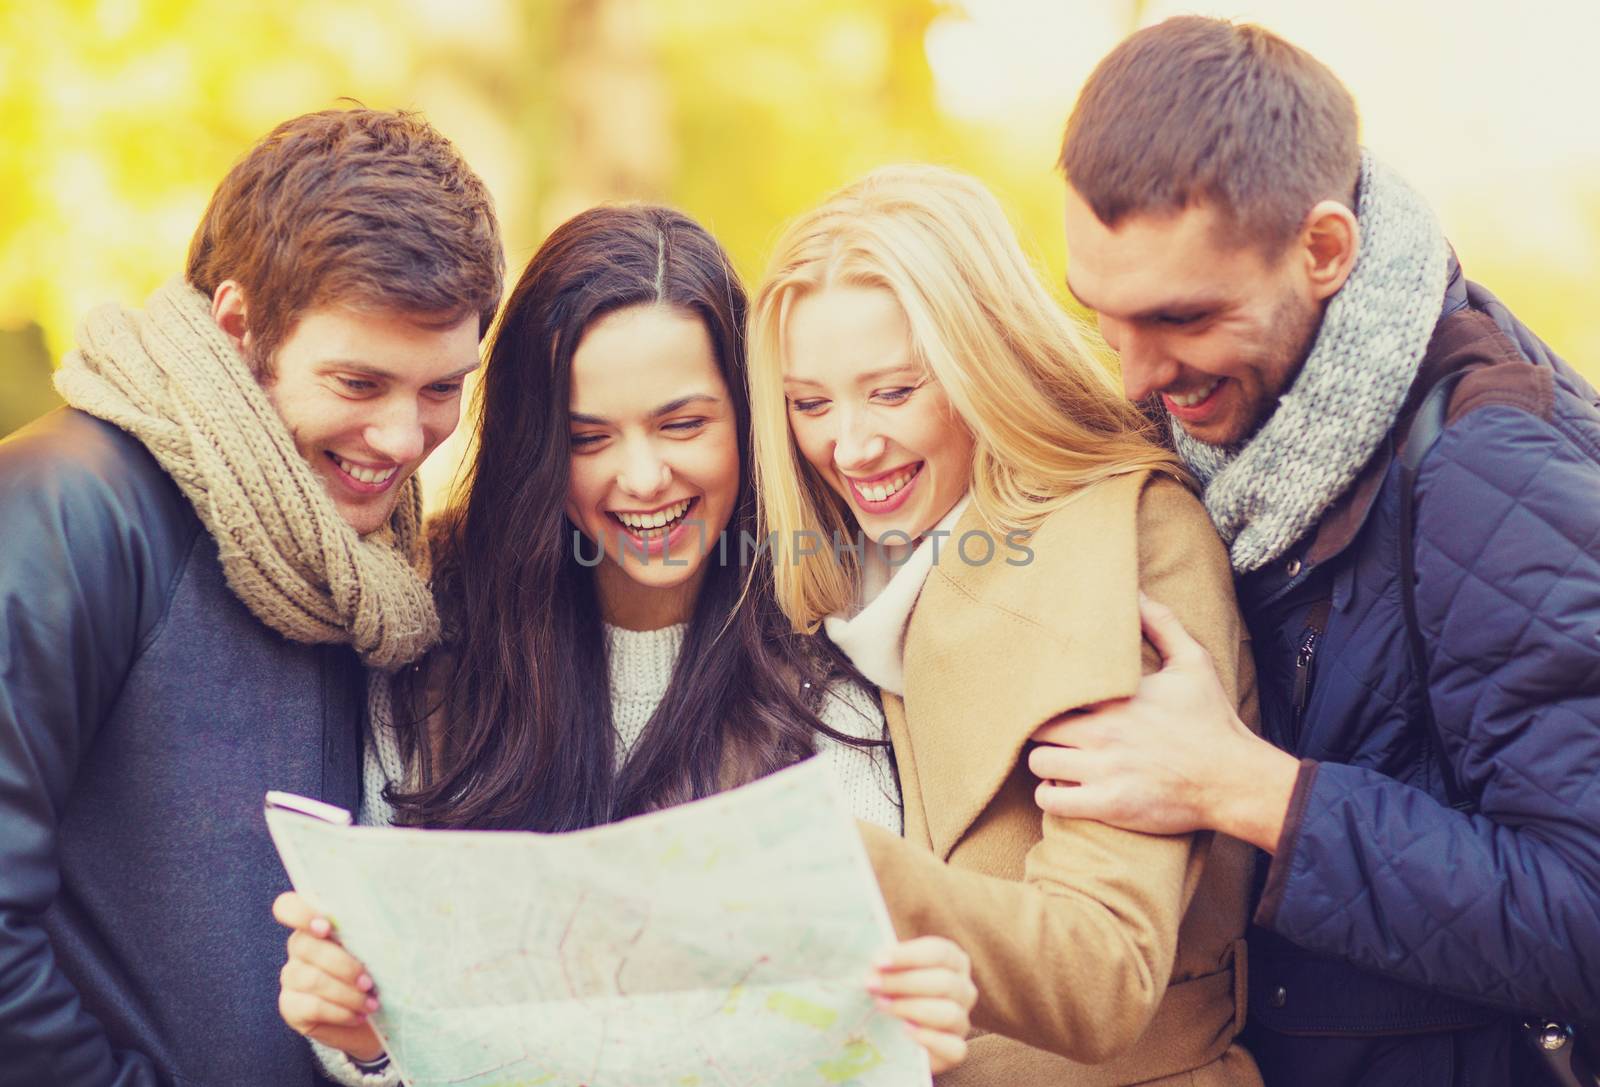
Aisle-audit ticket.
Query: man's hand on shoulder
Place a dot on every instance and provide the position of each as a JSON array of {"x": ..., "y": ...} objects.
[{"x": 1173, "y": 759}]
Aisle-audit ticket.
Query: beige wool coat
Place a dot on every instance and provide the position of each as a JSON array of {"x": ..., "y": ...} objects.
[{"x": 1101, "y": 956}]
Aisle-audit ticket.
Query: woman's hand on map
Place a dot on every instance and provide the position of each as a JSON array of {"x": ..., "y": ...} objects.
[
  {"x": 927, "y": 982},
  {"x": 325, "y": 993}
]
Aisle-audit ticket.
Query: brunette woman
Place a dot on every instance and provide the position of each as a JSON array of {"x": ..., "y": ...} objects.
[
  {"x": 605, "y": 655},
  {"x": 913, "y": 381}
]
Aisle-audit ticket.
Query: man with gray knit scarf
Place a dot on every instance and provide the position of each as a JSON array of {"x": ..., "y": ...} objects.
[
  {"x": 205, "y": 554},
  {"x": 1420, "y": 575}
]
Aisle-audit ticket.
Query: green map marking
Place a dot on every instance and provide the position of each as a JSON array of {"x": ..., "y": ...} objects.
[
  {"x": 859, "y": 1056},
  {"x": 802, "y": 1011}
]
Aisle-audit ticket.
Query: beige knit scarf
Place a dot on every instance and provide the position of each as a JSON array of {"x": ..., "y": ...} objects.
[{"x": 170, "y": 377}]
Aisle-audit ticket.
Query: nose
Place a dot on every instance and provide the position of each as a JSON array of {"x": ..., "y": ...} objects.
[
  {"x": 644, "y": 474},
  {"x": 1146, "y": 366},
  {"x": 859, "y": 443},
  {"x": 397, "y": 431}
]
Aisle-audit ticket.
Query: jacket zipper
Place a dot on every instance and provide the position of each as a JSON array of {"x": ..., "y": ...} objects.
[
  {"x": 1302, "y": 675},
  {"x": 1305, "y": 666}
]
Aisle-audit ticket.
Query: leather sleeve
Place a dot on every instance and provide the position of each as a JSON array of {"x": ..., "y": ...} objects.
[{"x": 80, "y": 586}]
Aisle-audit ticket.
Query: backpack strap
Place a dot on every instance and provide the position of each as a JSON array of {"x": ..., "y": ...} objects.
[{"x": 1426, "y": 426}]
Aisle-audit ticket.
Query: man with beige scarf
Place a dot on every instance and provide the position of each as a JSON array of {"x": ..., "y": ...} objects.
[{"x": 201, "y": 554}]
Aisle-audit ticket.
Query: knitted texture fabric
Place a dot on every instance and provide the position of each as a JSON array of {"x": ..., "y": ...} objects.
[
  {"x": 173, "y": 379},
  {"x": 1265, "y": 495}
]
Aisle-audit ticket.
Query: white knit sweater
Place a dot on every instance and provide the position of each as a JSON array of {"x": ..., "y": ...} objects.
[{"x": 641, "y": 664}]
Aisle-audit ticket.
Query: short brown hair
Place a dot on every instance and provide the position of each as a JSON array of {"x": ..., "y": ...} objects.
[
  {"x": 1198, "y": 110},
  {"x": 355, "y": 206}
]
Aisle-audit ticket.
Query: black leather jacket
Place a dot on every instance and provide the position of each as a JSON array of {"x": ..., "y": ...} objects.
[{"x": 143, "y": 713}]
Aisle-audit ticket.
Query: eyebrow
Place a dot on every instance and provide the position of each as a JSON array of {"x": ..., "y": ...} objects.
[
  {"x": 668, "y": 408},
  {"x": 366, "y": 369},
  {"x": 867, "y": 378},
  {"x": 1178, "y": 307}
]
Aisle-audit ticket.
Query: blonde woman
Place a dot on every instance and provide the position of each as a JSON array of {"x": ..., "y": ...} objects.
[{"x": 959, "y": 496}]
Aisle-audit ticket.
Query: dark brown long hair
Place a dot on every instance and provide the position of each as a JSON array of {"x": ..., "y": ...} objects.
[{"x": 527, "y": 739}]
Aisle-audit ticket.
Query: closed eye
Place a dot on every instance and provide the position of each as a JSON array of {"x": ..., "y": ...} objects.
[
  {"x": 685, "y": 426},
  {"x": 585, "y": 441},
  {"x": 895, "y": 396},
  {"x": 809, "y": 405},
  {"x": 357, "y": 385}
]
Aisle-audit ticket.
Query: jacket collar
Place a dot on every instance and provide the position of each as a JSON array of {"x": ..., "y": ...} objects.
[
  {"x": 874, "y": 637},
  {"x": 993, "y": 651},
  {"x": 1343, "y": 521}
]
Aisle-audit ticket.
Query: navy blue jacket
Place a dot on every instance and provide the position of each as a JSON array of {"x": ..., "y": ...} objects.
[
  {"x": 1398, "y": 940},
  {"x": 144, "y": 712}
]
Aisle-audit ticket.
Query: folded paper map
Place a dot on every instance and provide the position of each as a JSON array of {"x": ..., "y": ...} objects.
[{"x": 723, "y": 943}]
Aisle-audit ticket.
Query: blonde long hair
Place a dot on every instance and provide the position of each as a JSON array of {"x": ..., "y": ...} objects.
[{"x": 1048, "y": 419}]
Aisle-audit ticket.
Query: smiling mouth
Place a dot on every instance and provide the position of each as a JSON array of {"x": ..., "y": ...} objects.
[
  {"x": 1193, "y": 399},
  {"x": 366, "y": 477},
  {"x": 655, "y": 523},
  {"x": 884, "y": 488}
]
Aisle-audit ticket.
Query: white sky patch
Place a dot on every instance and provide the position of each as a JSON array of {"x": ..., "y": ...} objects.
[{"x": 1489, "y": 109}]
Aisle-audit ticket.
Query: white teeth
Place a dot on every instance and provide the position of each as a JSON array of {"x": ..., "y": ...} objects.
[
  {"x": 878, "y": 492},
  {"x": 366, "y": 475},
  {"x": 657, "y": 519},
  {"x": 1189, "y": 400}
]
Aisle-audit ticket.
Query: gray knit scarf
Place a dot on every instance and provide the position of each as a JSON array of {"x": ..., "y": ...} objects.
[
  {"x": 171, "y": 378},
  {"x": 1265, "y": 495}
]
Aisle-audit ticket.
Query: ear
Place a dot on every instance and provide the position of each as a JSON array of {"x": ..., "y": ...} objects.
[
  {"x": 228, "y": 310},
  {"x": 1329, "y": 240}
]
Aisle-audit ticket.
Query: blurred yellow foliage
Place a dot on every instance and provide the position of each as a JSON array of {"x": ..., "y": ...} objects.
[{"x": 118, "y": 117}]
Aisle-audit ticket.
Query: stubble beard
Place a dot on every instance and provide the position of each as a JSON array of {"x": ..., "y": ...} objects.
[{"x": 1296, "y": 342}]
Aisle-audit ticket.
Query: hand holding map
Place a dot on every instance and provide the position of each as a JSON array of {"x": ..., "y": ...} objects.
[{"x": 718, "y": 943}]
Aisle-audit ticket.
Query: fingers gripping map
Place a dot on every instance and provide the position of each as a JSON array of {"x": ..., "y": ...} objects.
[{"x": 723, "y": 943}]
